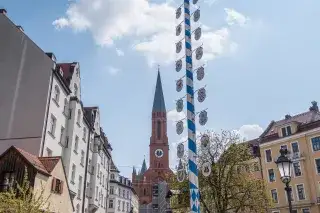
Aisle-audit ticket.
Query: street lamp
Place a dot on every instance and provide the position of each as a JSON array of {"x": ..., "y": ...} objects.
[{"x": 284, "y": 165}]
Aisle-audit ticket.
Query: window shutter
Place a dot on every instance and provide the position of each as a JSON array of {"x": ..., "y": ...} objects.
[
  {"x": 53, "y": 186},
  {"x": 61, "y": 187}
]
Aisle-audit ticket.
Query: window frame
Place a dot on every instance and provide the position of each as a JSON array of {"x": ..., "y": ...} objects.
[
  {"x": 266, "y": 159},
  {"x": 277, "y": 195},
  {"x": 275, "y": 178},
  {"x": 304, "y": 192}
]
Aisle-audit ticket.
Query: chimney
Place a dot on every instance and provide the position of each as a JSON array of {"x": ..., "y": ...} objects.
[
  {"x": 3, "y": 11},
  {"x": 314, "y": 106},
  {"x": 20, "y": 28},
  {"x": 287, "y": 116}
]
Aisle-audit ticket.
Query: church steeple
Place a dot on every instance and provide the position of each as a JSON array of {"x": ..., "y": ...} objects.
[
  {"x": 158, "y": 102},
  {"x": 144, "y": 167}
]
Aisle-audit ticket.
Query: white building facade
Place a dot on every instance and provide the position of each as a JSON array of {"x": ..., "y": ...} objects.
[
  {"x": 58, "y": 122},
  {"x": 122, "y": 197}
]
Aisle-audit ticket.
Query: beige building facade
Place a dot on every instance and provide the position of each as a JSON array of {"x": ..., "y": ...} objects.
[{"x": 300, "y": 134}]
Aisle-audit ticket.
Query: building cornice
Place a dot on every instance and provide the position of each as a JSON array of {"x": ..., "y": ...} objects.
[{"x": 293, "y": 137}]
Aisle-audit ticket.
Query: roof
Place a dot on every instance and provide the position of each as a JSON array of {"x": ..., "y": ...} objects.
[
  {"x": 44, "y": 165},
  {"x": 68, "y": 69},
  {"x": 303, "y": 118},
  {"x": 158, "y": 102},
  {"x": 113, "y": 167}
]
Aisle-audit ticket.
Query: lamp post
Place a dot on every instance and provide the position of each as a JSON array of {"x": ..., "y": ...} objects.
[{"x": 284, "y": 165}]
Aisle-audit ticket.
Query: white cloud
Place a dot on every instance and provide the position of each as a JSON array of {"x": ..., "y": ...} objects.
[
  {"x": 174, "y": 116},
  {"x": 234, "y": 17},
  {"x": 250, "y": 131},
  {"x": 119, "y": 52},
  {"x": 110, "y": 20},
  {"x": 113, "y": 70}
]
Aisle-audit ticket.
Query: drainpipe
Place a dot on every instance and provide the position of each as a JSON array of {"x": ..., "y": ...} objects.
[
  {"x": 47, "y": 113},
  {"x": 86, "y": 173}
]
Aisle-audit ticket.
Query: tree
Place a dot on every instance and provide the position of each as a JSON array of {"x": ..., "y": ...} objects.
[
  {"x": 23, "y": 198},
  {"x": 231, "y": 186}
]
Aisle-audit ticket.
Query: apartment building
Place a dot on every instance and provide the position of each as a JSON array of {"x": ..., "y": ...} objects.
[
  {"x": 300, "y": 134},
  {"x": 123, "y": 198},
  {"x": 42, "y": 113}
]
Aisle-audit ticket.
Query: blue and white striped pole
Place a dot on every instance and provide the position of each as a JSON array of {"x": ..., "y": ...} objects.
[{"x": 192, "y": 146}]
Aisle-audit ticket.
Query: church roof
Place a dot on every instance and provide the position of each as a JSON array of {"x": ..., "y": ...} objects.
[{"x": 158, "y": 102}]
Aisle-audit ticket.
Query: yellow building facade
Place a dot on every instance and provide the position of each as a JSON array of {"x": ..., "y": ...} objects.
[{"x": 300, "y": 134}]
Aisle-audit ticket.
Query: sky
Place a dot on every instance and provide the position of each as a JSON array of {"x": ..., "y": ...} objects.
[{"x": 261, "y": 62}]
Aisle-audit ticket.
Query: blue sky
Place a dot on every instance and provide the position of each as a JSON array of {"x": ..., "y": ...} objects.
[{"x": 265, "y": 62}]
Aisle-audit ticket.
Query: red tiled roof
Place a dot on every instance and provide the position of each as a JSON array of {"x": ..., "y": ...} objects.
[
  {"x": 42, "y": 164},
  {"x": 303, "y": 118},
  {"x": 67, "y": 71},
  {"x": 49, "y": 162},
  {"x": 33, "y": 160}
]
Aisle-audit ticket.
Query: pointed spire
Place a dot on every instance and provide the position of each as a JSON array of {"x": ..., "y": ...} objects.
[
  {"x": 134, "y": 172},
  {"x": 144, "y": 167},
  {"x": 158, "y": 102}
]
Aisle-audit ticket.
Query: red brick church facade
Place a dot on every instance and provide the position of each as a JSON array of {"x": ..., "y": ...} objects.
[{"x": 159, "y": 151}]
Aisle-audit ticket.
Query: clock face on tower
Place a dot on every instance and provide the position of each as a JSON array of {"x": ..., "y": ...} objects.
[{"x": 158, "y": 153}]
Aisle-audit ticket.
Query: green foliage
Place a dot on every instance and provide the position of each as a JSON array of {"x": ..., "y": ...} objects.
[
  {"x": 22, "y": 199},
  {"x": 231, "y": 187}
]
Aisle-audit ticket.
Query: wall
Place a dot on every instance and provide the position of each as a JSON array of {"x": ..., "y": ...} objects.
[
  {"x": 25, "y": 69},
  {"x": 58, "y": 203}
]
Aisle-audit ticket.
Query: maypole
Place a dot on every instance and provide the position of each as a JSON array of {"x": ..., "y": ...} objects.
[{"x": 191, "y": 114}]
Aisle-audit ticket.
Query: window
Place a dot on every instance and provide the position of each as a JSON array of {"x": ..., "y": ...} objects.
[
  {"x": 124, "y": 193},
  {"x": 119, "y": 203},
  {"x": 102, "y": 180},
  {"x": 284, "y": 146},
  {"x": 112, "y": 176},
  {"x": 318, "y": 165},
  {"x": 100, "y": 177},
  {"x": 49, "y": 152},
  {"x": 123, "y": 203},
  {"x": 79, "y": 187},
  {"x": 159, "y": 129},
  {"x": 306, "y": 210},
  {"x": 300, "y": 191},
  {"x": 286, "y": 131},
  {"x": 65, "y": 107},
  {"x": 295, "y": 147},
  {"x": 316, "y": 143},
  {"x": 294, "y": 211},
  {"x": 274, "y": 195},
  {"x": 57, "y": 186},
  {"x": 78, "y": 208},
  {"x": 73, "y": 173},
  {"x": 56, "y": 94},
  {"x": 82, "y": 158},
  {"x": 268, "y": 155},
  {"x": 61, "y": 134},
  {"x": 84, "y": 134},
  {"x": 75, "y": 89},
  {"x": 272, "y": 176},
  {"x": 76, "y": 144},
  {"x": 98, "y": 171},
  {"x": 127, "y": 207},
  {"x": 128, "y": 194},
  {"x": 78, "y": 117},
  {"x": 88, "y": 189},
  {"x": 52, "y": 127},
  {"x": 97, "y": 189},
  {"x": 297, "y": 169},
  {"x": 111, "y": 190},
  {"x": 291, "y": 194},
  {"x": 110, "y": 204},
  {"x": 89, "y": 166}
]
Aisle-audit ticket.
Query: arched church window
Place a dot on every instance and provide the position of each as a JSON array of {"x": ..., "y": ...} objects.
[{"x": 159, "y": 130}]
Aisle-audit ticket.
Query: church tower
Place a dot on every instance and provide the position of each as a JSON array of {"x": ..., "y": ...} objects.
[{"x": 158, "y": 150}]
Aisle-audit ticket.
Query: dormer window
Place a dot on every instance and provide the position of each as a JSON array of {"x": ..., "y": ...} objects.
[{"x": 286, "y": 131}]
